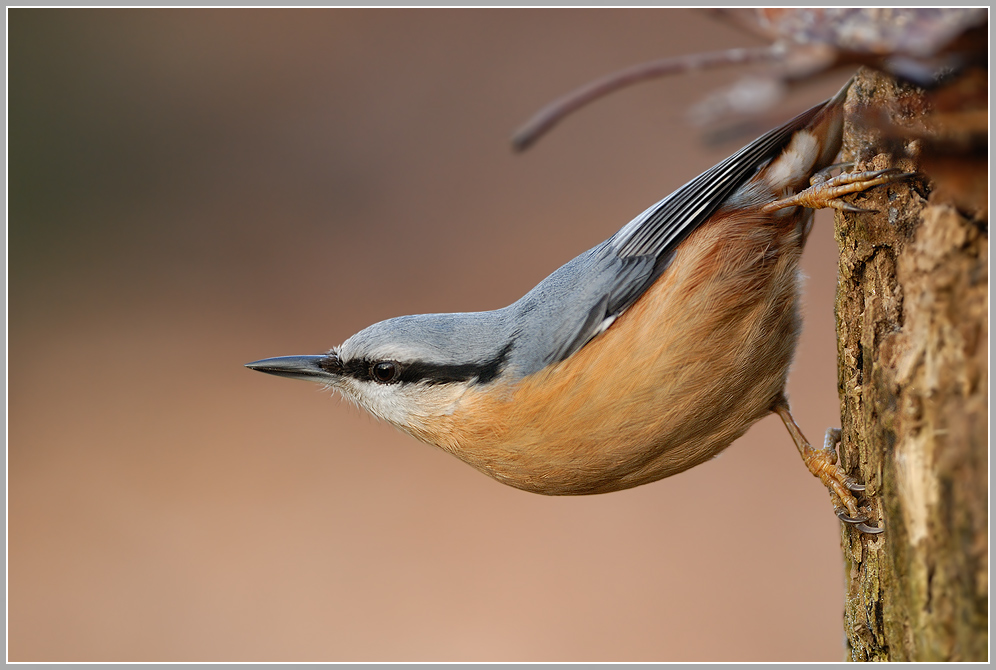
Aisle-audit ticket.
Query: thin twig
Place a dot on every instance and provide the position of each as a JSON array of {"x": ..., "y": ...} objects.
[{"x": 557, "y": 110}]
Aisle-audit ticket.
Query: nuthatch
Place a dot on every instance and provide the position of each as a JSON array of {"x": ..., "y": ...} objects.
[{"x": 640, "y": 358}]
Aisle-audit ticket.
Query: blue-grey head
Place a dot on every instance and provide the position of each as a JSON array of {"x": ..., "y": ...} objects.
[
  {"x": 411, "y": 368},
  {"x": 408, "y": 369}
]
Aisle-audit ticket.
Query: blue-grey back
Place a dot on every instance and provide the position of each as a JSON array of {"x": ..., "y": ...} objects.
[{"x": 580, "y": 299}]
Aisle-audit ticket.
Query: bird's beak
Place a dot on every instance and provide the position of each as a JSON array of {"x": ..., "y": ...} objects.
[{"x": 321, "y": 369}]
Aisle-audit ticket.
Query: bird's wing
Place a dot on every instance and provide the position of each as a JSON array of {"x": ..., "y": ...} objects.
[
  {"x": 622, "y": 282},
  {"x": 658, "y": 230},
  {"x": 612, "y": 276}
]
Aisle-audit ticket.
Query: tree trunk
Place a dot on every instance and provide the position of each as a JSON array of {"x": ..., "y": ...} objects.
[{"x": 912, "y": 326}]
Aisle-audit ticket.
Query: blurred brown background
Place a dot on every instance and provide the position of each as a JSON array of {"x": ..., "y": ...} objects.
[{"x": 191, "y": 190}]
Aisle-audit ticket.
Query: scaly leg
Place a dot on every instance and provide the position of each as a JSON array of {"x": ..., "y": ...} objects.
[
  {"x": 826, "y": 191},
  {"x": 823, "y": 464}
]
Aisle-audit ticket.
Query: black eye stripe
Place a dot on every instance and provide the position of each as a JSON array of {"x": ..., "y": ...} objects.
[
  {"x": 429, "y": 373},
  {"x": 331, "y": 363},
  {"x": 358, "y": 369}
]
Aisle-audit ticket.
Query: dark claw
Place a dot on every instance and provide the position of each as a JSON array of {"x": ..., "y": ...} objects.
[
  {"x": 852, "y": 485},
  {"x": 830, "y": 442},
  {"x": 871, "y": 530},
  {"x": 881, "y": 173},
  {"x": 848, "y": 207},
  {"x": 842, "y": 515}
]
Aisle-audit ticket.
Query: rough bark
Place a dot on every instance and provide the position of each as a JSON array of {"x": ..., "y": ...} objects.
[{"x": 912, "y": 324}]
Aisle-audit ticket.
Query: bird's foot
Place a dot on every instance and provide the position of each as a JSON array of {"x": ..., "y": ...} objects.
[
  {"x": 823, "y": 464},
  {"x": 826, "y": 191}
]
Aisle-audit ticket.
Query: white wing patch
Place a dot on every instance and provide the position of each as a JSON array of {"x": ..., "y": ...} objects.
[{"x": 797, "y": 158}]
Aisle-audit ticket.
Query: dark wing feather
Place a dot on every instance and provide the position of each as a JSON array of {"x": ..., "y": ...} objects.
[
  {"x": 659, "y": 230},
  {"x": 628, "y": 275},
  {"x": 599, "y": 285}
]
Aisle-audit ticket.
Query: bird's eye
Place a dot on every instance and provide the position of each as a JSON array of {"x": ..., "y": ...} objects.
[{"x": 384, "y": 371}]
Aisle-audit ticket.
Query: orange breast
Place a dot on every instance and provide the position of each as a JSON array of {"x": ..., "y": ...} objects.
[{"x": 679, "y": 376}]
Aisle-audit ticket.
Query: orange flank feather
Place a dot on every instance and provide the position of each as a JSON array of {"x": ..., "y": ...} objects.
[{"x": 646, "y": 399}]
